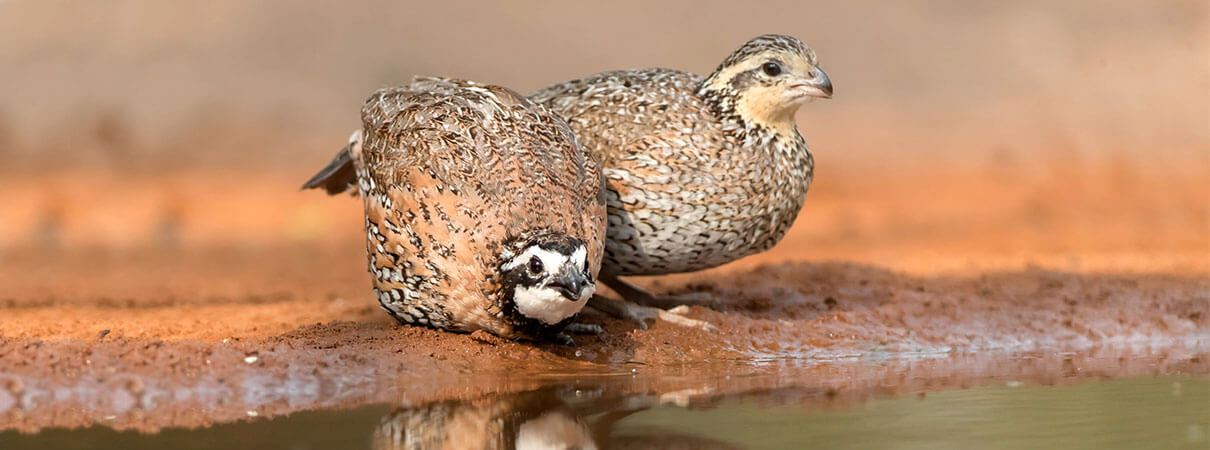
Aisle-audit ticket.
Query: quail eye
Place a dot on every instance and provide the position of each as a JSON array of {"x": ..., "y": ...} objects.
[
  {"x": 771, "y": 69},
  {"x": 535, "y": 265}
]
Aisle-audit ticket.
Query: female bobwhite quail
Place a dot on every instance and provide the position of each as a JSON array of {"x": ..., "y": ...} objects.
[{"x": 701, "y": 171}]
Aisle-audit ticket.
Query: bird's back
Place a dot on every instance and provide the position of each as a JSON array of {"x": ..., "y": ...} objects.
[
  {"x": 611, "y": 111},
  {"x": 470, "y": 136}
]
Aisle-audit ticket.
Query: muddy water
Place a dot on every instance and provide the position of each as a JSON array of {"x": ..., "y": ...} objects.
[{"x": 1124, "y": 398}]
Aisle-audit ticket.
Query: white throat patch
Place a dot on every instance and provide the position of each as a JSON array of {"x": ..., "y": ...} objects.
[
  {"x": 548, "y": 305},
  {"x": 579, "y": 257}
]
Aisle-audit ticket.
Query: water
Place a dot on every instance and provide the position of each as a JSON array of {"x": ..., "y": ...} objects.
[{"x": 1135, "y": 412}]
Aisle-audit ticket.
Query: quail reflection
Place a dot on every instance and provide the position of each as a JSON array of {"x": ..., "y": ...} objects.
[
  {"x": 529, "y": 420},
  {"x": 537, "y": 419}
]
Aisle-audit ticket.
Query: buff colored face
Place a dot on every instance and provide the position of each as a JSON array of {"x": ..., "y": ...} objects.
[{"x": 773, "y": 84}]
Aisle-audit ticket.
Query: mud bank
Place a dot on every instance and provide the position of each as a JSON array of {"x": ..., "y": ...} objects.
[
  {"x": 147, "y": 353},
  {"x": 292, "y": 298}
]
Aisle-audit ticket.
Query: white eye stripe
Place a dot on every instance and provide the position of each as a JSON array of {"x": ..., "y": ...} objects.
[
  {"x": 520, "y": 259},
  {"x": 551, "y": 261},
  {"x": 579, "y": 257}
]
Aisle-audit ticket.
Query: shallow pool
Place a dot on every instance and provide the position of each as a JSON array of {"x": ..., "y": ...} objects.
[{"x": 1129, "y": 413}]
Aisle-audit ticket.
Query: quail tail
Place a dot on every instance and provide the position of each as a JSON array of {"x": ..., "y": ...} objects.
[{"x": 337, "y": 176}]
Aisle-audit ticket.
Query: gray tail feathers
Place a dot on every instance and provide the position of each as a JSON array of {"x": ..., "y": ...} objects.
[{"x": 337, "y": 176}]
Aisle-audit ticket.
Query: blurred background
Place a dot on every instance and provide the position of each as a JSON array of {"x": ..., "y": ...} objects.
[{"x": 962, "y": 134}]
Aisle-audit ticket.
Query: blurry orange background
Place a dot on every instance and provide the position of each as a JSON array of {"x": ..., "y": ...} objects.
[{"x": 1074, "y": 135}]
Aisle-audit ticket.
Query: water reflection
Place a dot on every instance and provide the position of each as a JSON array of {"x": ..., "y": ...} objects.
[
  {"x": 1129, "y": 413},
  {"x": 313, "y": 381},
  {"x": 1137, "y": 412},
  {"x": 539, "y": 419},
  {"x": 1045, "y": 400}
]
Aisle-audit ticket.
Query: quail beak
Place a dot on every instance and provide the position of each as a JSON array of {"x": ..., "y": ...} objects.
[
  {"x": 570, "y": 282},
  {"x": 817, "y": 86}
]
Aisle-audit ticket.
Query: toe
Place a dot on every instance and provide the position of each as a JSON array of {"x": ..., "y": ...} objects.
[
  {"x": 564, "y": 339},
  {"x": 676, "y": 317},
  {"x": 585, "y": 328}
]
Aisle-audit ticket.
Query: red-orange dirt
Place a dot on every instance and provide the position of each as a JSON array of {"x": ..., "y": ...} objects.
[{"x": 143, "y": 302}]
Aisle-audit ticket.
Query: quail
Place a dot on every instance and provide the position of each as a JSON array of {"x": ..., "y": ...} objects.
[
  {"x": 525, "y": 420},
  {"x": 482, "y": 211},
  {"x": 701, "y": 171}
]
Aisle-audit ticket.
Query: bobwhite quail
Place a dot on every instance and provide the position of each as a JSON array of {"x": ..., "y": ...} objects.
[
  {"x": 526, "y": 420},
  {"x": 482, "y": 211},
  {"x": 701, "y": 171}
]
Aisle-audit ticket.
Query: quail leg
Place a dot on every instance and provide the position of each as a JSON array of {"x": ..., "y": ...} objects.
[
  {"x": 584, "y": 328},
  {"x": 626, "y": 310},
  {"x": 564, "y": 339},
  {"x": 639, "y": 295}
]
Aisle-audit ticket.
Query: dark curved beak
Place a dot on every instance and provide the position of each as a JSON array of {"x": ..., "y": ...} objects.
[
  {"x": 819, "y": 85},
  {"x": 570, "y": 282}
]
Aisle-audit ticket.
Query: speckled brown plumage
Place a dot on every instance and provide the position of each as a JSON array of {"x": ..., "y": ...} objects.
[
  {"x": 457, "y": 178},
  {"x": 701, "y": 170}
]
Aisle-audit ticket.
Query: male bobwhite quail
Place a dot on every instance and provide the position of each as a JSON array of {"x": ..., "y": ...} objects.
[{"x": 482, "y": 211}]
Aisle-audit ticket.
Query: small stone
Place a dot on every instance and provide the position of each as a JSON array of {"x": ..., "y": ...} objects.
[{"x": 829, "y": 302}]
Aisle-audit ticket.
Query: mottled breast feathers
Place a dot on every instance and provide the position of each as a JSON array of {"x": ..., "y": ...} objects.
[{"x": 689, "y": 188}]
